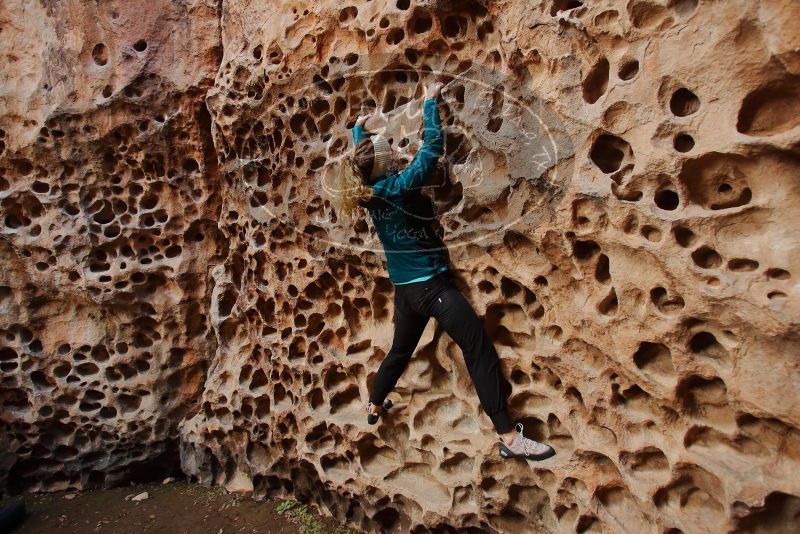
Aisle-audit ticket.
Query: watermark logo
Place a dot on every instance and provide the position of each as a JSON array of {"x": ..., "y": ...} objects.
[{"x": 506, "y": 160}]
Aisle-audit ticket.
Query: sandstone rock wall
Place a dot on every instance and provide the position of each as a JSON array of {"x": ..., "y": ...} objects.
[
  {"x": 109, "y": 195},
  {"x": 620, "y": 199}
]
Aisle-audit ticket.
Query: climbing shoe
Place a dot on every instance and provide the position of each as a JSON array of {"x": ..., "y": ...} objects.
[
  {"x": 372, "y": 418},
  {"x": 523, "y": 447}
]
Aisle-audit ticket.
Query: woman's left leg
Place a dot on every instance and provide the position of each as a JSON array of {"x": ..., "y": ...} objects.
[{"x": 444, "y": 301}]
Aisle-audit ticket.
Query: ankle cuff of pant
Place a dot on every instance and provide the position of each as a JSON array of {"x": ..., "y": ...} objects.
[{"x": 502, "y": 422}]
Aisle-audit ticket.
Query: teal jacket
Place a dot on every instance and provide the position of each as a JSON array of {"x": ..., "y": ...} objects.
[{"x": 397, "y": 208}]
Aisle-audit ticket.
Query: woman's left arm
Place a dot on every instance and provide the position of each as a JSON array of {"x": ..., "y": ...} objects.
[
  {"x": 358, "y": 134},
  {"x": 358, "y": 129}
]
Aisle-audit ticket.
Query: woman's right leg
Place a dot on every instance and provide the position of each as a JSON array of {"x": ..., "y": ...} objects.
[
  {"x": 408, "y": 328},
  {"x": 440, "y": 298}
]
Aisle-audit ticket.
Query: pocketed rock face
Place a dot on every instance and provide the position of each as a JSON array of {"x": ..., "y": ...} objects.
[
  {"x": 643, "y": 301},
  {"x": 108, "y": 204}
]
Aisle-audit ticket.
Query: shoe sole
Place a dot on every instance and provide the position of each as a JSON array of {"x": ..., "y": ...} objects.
[
  {"x": 372, "y": 418},
  {"x": 505, "y": 452}
]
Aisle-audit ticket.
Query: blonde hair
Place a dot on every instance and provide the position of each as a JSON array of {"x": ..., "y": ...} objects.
[{"x": 349, "y": 189}]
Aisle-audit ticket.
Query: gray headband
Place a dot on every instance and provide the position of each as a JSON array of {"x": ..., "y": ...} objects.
[{"x": 383, "y": 153}]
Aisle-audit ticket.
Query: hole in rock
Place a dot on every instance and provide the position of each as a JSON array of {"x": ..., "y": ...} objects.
[
  {"x": 665, "y": 304},
  {"x": 684, "y": 102},
  {"x": 706, "y": 258},
  {"x": 226, "y": 303},
  {"x": 683, "y": 143},
  {"x": 41, "y": 380},
  {"x": 87, "y": 369},
  {"x": 778, "y": 274},
  {"x": 420, "y": 22},
  {"x": 706, "y": 343},
  {"x": 610, "y": 304},
  {"x": 454, "y": 26},
  {"x": 387, "y": 518},
  {"x": 667, "y": 199},
  {"x": 596, "y": 82},
  {"x": 519, "y": 377},
  {"x": 704, "y": 398},
  {"x": 628, "y": 69},
  {"x": 655, "y": 358},
  {"x": 585, "y": 250},
  {"x": 347, "y": 14},
  {"x": 651, "y": 233},
  {"x": 683, "y": 236},
  {"x": 742, "y": 265},
  {"x": 602, "y": 272},
  {"x": 683, "y": 8},
  {"x": 609, "y": 151},
  {"x": 564, "y": 5},
  {"x": 631, "y": 222},
  {"x": 649, "y": 459},
  {"x": 780, "y": 510},
  {"x": 395, "y": 36},
  {"x": 190, "y": 165},
  {"x": 771, "y": 109},
  {"x": 40, "y": 187},
  {"x": 588, "y": 523},
  {"x": 100, "y": 54},
  {"x": 22, "y": 166}
]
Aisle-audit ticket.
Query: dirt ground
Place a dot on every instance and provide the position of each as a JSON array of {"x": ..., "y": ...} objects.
[{"x": 176, "y": 508}]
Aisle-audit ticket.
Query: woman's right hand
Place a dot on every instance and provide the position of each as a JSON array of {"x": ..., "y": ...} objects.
[
  {"x": 362, "y": 119},
  {"x": 433, "y": 90}
]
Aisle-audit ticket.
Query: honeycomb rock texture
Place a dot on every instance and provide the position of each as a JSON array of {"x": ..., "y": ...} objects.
[
  {"x": 109, "y": 197},
  {"x": 176, "y": 283}
]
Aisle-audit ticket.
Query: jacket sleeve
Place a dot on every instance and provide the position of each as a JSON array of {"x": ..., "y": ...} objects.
[
  {"x": 424, "y": 161},
  {"x": 358, "y": 134}
]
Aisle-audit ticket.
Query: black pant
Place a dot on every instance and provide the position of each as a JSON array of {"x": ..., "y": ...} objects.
[{"x": 415, "y": 304}]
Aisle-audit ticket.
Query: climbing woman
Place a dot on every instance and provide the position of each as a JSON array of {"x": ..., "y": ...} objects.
[{"x": 418, "y": 268}]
